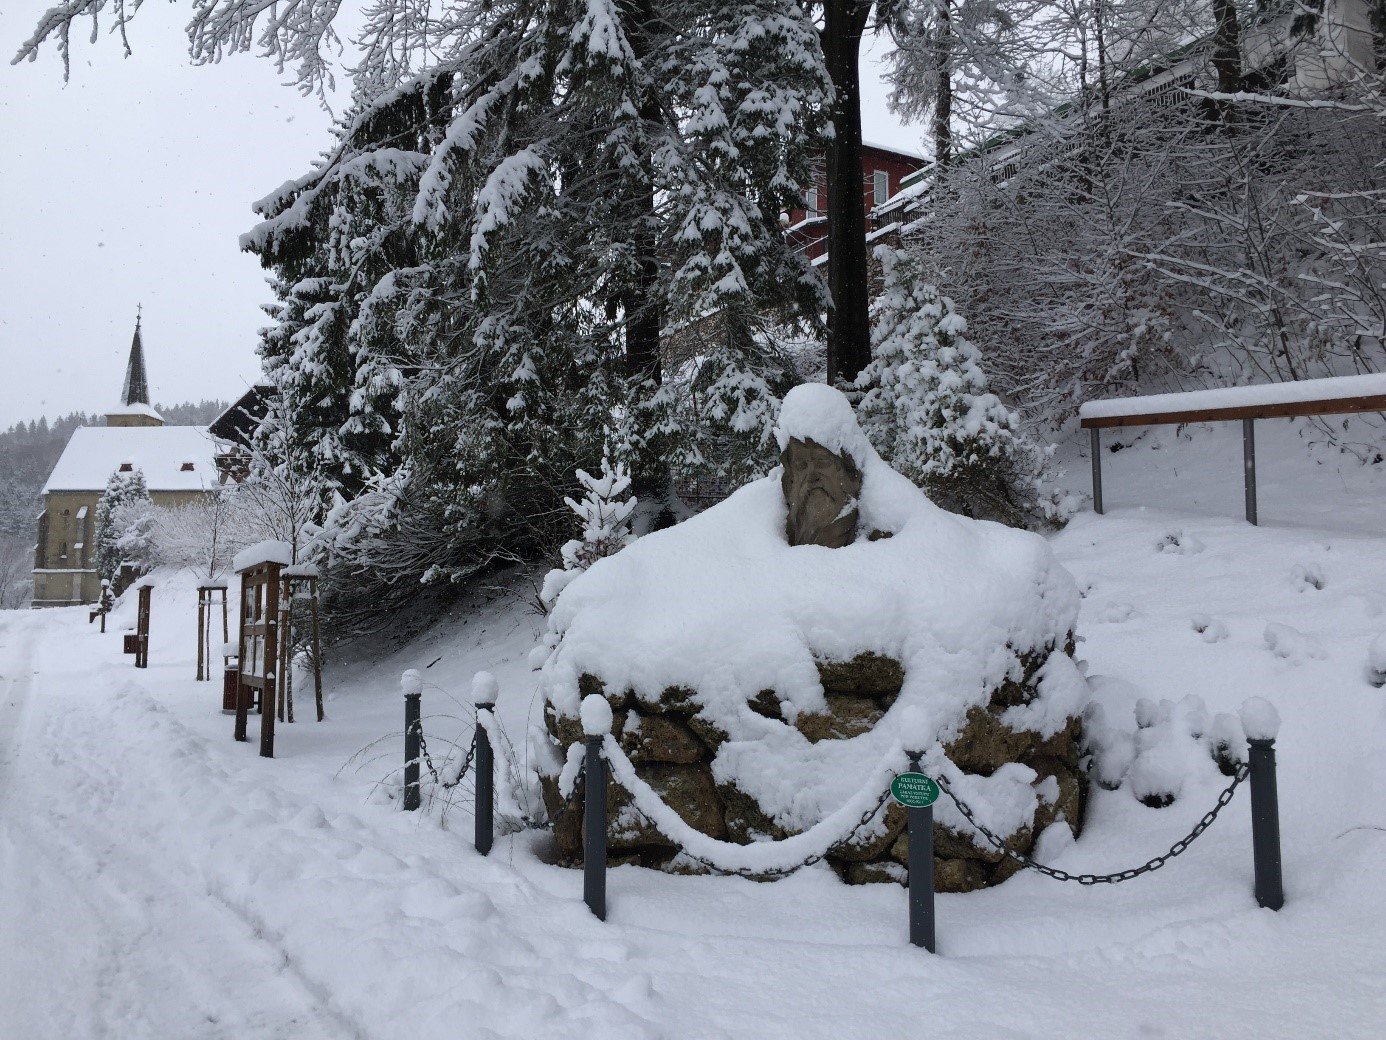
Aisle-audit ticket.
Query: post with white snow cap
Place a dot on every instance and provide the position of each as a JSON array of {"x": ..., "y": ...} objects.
[
  {"x": 596, "y": 724},
  {"x": 411, "y": 685},
  {"x": 1261, "y": 722},
  {"x": 920, "y": 843},
  {"x": 484, "y": 691}
]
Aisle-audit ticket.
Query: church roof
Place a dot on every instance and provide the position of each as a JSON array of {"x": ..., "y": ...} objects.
[
  {"x": 173, "y": 458},
  {"x": 136, "y": 388}
]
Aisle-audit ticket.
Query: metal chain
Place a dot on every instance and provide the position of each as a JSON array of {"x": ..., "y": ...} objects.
[
  {"x": 428, "y": 761},
  {"x": 1103, "y": 879},
  {"x": 772, "y": 873}
]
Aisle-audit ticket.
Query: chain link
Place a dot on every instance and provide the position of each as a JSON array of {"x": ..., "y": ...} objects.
[
  {"x": 1102, "y": 879},
  {"x": 428, "y": 761}
]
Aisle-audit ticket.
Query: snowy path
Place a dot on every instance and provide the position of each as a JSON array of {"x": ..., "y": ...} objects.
[{"x": 128, "y": 945}]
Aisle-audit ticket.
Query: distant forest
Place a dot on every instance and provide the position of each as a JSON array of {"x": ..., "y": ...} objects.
[{"x": 28, "y": 453}]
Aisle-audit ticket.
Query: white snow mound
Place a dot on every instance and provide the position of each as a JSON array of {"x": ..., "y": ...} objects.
[{"x": 722, "y": 605}]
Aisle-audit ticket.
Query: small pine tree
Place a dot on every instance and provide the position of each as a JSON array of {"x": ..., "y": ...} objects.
[
  {"x": 119, "y": 514},
  {"x": 926, "y": 407},
  {"x": 606, "y": 529}
]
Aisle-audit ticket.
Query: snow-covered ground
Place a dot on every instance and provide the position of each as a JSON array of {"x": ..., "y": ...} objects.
[{"x": 160, "y": 880}]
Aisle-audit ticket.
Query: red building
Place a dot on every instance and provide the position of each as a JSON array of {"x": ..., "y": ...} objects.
[{"x": 882, "y": 170}]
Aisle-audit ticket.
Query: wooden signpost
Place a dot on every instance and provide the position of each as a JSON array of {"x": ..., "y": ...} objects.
[
  {"x": 142, "y": 627},
  {"x": 207, "y": 595},
  {"x": 258, "y": 654}
]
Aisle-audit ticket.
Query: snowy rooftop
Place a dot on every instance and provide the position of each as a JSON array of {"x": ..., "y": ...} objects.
[{"x": 173, "y": 458}]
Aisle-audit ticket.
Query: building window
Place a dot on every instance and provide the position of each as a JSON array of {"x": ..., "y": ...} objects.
[
  {"x": 811, "y": 201},
  {"x": 880, "y": 187}
]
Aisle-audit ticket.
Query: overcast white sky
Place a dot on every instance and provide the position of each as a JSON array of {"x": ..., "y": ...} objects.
[{"x": 130, "y": 184}]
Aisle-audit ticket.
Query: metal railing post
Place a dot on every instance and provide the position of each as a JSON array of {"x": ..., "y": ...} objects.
[
  {"x": 920, "y": 823},
  {"x": 596, "y": 724},
  {"x": 1265, "y": 824},
  {"x": 1249, "y": 468},
  {"x": 484, "y": 691},
  {"x": 412, "y": 686},
  {"x": 594, "y": 831},
  {"x": 1095, "y": 440},
  {"x": 1261, "y": 723}
]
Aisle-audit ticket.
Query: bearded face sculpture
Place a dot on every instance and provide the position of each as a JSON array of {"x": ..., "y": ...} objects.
[{"x": 820, "y": 489}]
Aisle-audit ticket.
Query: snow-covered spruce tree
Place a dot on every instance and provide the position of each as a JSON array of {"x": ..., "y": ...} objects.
[
  {"x": 605, "y": 514},
  {"x": 124, "y": 504},
  {"x": 591, "y": 177},
  {"x": 926, "y": 407}
]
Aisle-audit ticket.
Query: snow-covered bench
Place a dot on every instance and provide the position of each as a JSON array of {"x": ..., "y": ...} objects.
[{"x": 1342, "y": 395}]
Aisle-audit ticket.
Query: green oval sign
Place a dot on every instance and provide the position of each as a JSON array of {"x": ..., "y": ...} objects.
[{"x": 914, "y": 790}]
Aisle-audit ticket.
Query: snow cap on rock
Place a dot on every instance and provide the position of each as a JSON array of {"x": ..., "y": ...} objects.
[
  {"x": 1260, "y": 720},
  {"x": 411, "y": 682},
  {"x": 822, "y": 414},
  {"x": 596, "y": 715},
  {"x": 485, "y": 689}
]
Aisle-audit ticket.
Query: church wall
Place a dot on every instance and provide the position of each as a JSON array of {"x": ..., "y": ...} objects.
[{"x": 65, "y": 558}]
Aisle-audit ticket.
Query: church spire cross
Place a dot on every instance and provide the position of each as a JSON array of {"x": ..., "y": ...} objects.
[{"x": 136, "y": 388}]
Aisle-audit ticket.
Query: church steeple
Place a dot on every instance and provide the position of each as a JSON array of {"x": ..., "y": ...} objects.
[
  {"x": 136, "y": 389},
  {"x": 134, "y": 408}
]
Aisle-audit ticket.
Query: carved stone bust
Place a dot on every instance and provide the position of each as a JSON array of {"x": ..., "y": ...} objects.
[{"x": 821, "y": 490}]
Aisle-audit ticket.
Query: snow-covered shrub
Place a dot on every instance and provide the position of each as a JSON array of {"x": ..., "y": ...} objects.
[
  {"x": 927, "y": 409},
  {"x": 1169, "y": 748},
  {"x": 1376, "y": 661},
  {"x": 605, "y": 514},
  {"x": 1210, "y": 628},
  {"x": 124, "y": 525},
  {"x": 1173, "y": 742},
  {"x": 1290, "y": 644}
]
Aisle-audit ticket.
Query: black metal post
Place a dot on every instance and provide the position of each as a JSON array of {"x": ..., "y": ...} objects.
[
  {"x": 485, "y": 785},
  {"x": 921, "y": 873},
  {"x": 411, "y": 751},
  {"x": 594, "y": 830},
  {"x": 1265, "y": 825},
  {"x": 1249, "y": 468},
  {"x": 1095, "y": 440}
]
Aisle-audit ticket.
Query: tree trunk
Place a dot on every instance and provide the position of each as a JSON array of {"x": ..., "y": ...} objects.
[
  {"x": 943, "y": 103},
  {"x": 1227, "y": 50},
  {"x": 644, "y": 313},
  {"x": 849, "y": 331}
]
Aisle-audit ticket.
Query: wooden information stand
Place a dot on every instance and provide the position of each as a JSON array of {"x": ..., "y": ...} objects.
[
  {"x": 142, "y": 628},
  {"x": 258, "y": 649}
]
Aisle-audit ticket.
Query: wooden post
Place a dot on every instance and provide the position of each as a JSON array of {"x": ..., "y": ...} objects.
[
  {"x": 1095, "y": 440},
  {"x": 201, "y": 633},
  {"x": 272, "y": 664},
  {"x": 142, "y": 628},
  {"x": 1249, "y": 468},
  {"x": 242, "y": 691}
]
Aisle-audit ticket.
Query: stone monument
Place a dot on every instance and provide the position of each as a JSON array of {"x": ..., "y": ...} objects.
[{"x": 753, "y": 685}]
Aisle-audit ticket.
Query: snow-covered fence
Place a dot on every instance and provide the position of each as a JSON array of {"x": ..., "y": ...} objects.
[
  {"x": 600, "y": 752},
  {"x": 481, "y": 752},
  {"x": 1344, "y": 395}
]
